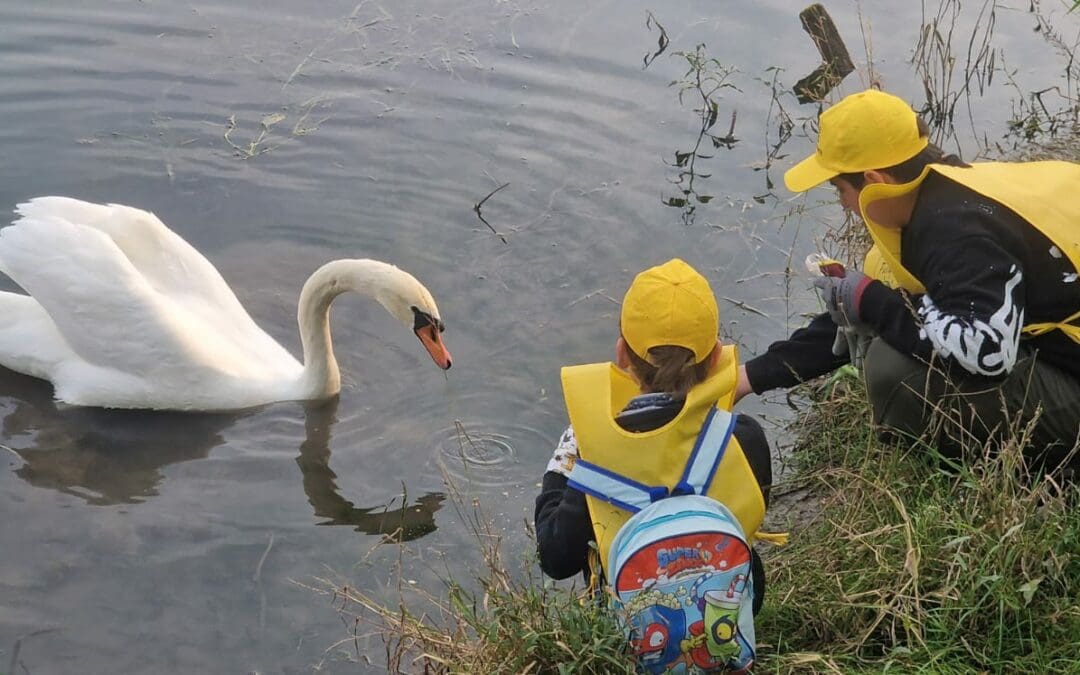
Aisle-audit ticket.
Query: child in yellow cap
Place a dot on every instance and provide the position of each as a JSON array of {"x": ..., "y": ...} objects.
[
  {"x": 985, "y": 324},
  {"x": 640, "y": 417}
]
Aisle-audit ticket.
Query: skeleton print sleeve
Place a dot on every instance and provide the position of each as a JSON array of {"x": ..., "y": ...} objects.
[
  {"x": 984, "y": 343},
  {"x": 973, "y": 308}
]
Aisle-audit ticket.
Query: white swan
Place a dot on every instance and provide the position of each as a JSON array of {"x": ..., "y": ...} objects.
[{"x": 123, "y": 313}]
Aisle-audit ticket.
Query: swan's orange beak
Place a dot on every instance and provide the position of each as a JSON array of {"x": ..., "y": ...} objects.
[{"x": 432, "y": 340}]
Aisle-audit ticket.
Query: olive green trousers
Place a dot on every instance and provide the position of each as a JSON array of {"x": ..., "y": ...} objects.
[{"x": 959, "y": 415}]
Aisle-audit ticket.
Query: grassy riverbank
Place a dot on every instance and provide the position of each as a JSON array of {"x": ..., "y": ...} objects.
[
  {"x": 902, "y": 565},
  {"x": 912, "y": 566}
]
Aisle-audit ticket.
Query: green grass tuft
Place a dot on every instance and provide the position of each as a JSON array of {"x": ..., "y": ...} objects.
[{"x": 914, "y": 566}]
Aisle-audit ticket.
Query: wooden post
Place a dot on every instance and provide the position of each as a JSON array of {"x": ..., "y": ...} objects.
[{"x": 837, "y": 63}]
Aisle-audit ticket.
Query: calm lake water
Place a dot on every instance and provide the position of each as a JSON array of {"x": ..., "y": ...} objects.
[{"x": 277, "y": 135}]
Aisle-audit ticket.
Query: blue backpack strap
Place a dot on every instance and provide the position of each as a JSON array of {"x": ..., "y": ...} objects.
[
  {"x": 630, "y": 495},
  {"x": 711, "y": 443},
  {"x": 626, "y": 493}
]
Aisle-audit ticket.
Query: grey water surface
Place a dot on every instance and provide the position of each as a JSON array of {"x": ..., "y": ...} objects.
[{"x": 279, "y": 134}]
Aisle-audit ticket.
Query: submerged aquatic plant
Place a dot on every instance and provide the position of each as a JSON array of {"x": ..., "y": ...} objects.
[
  {"x": 704, "y": 80},
  {"x": 1053, "y": 111}
]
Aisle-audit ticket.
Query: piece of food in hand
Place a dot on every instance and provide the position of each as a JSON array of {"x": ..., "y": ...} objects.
[{"x": 819, "y": 263}]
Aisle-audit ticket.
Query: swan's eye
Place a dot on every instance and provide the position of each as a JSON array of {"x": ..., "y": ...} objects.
[{"x": 422, "y": 319}]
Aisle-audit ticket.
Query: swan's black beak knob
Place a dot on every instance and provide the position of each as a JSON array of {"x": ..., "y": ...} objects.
[{"x": 429, "y": 330}]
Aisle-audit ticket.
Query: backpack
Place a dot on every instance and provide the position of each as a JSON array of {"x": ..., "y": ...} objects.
[{"x": 679, "y": 570}]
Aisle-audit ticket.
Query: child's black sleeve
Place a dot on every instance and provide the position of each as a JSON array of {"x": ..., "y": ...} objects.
[
  {"x": 563, "y": 528},
  {"x": 803, "y": 356},
  {"x": 755, "y": 447}
]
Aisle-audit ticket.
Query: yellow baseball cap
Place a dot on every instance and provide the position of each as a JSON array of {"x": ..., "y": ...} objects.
[
  {"x": 864, "y": 131},
  {"x": 670, "y": 304}
]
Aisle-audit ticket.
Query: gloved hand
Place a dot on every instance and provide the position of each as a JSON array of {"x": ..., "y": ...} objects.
[
  {"x": 843, "y": 295},
  {"x": 841, "y": 345},
  {"x": 852, "y": 341}
]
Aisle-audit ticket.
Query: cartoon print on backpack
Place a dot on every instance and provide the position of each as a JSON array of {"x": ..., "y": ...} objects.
[
  {"x": 685, "y": 594},
  {"x": 720, "y": 609}
]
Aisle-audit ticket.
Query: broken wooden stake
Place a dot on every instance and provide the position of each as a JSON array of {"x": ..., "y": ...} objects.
[{"x": 837, "y": 63}]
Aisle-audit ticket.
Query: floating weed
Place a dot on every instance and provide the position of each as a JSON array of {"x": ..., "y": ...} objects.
[
  {"x": 480, "y": 204},
  {"x": 268, "y": 124},
  {"x": 662, "y": 42},
  {"x": 254, "y": 147}
]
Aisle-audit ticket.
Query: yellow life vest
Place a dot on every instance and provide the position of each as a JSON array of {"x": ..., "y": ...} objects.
[
  {"x": 595, "y": 393},
  {"x": 1042, "y": 193},
  {"x": 876, "y": 267}
]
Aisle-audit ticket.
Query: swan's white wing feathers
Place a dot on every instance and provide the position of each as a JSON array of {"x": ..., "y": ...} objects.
[
  {"x": 112, "y": 316},
  {"x": 167, "y": 263}
]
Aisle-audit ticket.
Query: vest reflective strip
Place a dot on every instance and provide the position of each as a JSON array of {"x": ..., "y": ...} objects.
[
  {"x": 709, "y": 450},
  {"x": 623, "y": 492},
  {"x": 632, "y": 496}
]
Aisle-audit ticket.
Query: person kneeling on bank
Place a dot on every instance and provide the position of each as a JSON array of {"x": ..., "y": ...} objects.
[
  {"x": 651, "y": 447},
  {"x": 980, "y": 335}
]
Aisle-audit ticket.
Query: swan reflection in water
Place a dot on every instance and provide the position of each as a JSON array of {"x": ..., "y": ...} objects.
[
  {"x": 108, "y": 457},
  {"x": 401, "y": 523},
  {"x": 101, "y": 456}
]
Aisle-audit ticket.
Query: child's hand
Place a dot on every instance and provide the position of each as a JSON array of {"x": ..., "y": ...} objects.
[
  {"x": 562, "y": 462},
  {"x": 843, "y": 295}
]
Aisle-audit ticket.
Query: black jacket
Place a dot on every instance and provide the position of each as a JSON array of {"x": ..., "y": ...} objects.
[{"x": 987, "y": 273}]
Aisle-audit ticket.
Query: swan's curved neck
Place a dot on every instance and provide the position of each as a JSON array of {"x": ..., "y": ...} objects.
[{"x": 321, "y": 376}]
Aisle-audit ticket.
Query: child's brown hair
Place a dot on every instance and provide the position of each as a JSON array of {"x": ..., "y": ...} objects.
[{"x": 672, "y": 370}]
